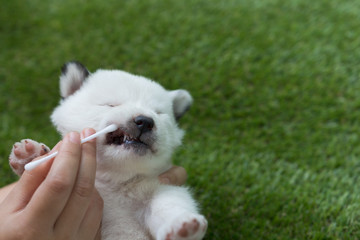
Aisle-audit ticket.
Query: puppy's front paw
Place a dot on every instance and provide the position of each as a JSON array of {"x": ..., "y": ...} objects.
[
  {"x": 187, "y": 226},
  {"x": 24, "y": 152}
]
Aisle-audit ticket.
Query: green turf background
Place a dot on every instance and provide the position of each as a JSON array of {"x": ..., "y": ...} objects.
[{"x": 272, "y": 146}]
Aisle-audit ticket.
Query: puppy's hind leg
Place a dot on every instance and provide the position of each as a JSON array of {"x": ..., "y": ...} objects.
[{"x": 25, "y": 151}]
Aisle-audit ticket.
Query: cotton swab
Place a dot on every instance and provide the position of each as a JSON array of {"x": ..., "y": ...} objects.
[
  {"x": 110, "y": 128},
  {"x": 32, "y": 165}
]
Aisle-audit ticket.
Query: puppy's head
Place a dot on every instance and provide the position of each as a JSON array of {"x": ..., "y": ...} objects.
[{"x": 146, "y": 115}]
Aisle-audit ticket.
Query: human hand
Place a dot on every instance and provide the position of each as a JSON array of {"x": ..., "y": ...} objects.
[
  {"x": 57, "y": 200},
  {"x": 176, "y": 175}
]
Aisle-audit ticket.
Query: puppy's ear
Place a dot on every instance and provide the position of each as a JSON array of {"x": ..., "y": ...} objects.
[
  {"x": 182, "y": 101},
  {"x": 73, "y": 74}
]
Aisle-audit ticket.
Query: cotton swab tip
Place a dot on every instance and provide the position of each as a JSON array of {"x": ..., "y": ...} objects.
[
  {"x": 32, "y": 165},
  {"x": 108, "y": 129},
  {"x": 111, "y": 128}
]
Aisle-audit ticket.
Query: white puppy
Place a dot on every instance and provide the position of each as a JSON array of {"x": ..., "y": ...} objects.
[{"x": 136, "y": 205}]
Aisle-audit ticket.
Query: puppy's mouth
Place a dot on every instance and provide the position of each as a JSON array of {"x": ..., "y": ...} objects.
[{"x": 120, "y": 137}]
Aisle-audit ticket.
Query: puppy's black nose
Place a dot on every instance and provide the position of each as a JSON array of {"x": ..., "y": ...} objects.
[{"x": 144, "y": 124}]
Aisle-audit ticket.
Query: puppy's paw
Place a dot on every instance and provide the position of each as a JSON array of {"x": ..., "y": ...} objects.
[
  {"x": 24, "y": 152},
  {"x": 188, "y": 226}
]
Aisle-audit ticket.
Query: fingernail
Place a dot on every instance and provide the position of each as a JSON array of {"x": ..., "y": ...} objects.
[
  {"x": 74, "y": 137},
  {"x": 87, "y": 132}
]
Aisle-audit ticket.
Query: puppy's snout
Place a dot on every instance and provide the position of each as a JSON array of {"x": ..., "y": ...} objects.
[{"x": 144, "y": 124}]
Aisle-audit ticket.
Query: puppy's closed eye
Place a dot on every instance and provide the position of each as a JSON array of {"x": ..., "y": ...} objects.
[{"x": 109, "y": 104}]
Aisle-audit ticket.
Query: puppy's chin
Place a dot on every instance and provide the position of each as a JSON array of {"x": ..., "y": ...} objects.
[
  {"x": 129, "y": 149},
  {"x": 126, "y": 160}
]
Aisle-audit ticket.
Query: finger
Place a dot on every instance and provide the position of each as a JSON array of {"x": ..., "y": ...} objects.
[
  {"x": 176, "y": 175},
  {"x": 4, "y": 191},
  {"x": 52, "y": 195},
  {"x": 91, "y": 225},
  {"x": 22, "y": 192},
  {"x": 82, "y": 193},
  {"x": 98, "y": 234}
]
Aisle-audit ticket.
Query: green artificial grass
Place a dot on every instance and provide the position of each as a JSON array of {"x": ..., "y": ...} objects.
[{"x": 272, "y": 147}]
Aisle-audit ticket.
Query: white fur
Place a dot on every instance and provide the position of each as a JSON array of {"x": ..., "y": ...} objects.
[{"x": 137, "y": 206}]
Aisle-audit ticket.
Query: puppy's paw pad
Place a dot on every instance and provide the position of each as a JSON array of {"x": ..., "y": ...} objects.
[
  {"x": 24, "y": 152},
  {"x": 187, "y": 227}
]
